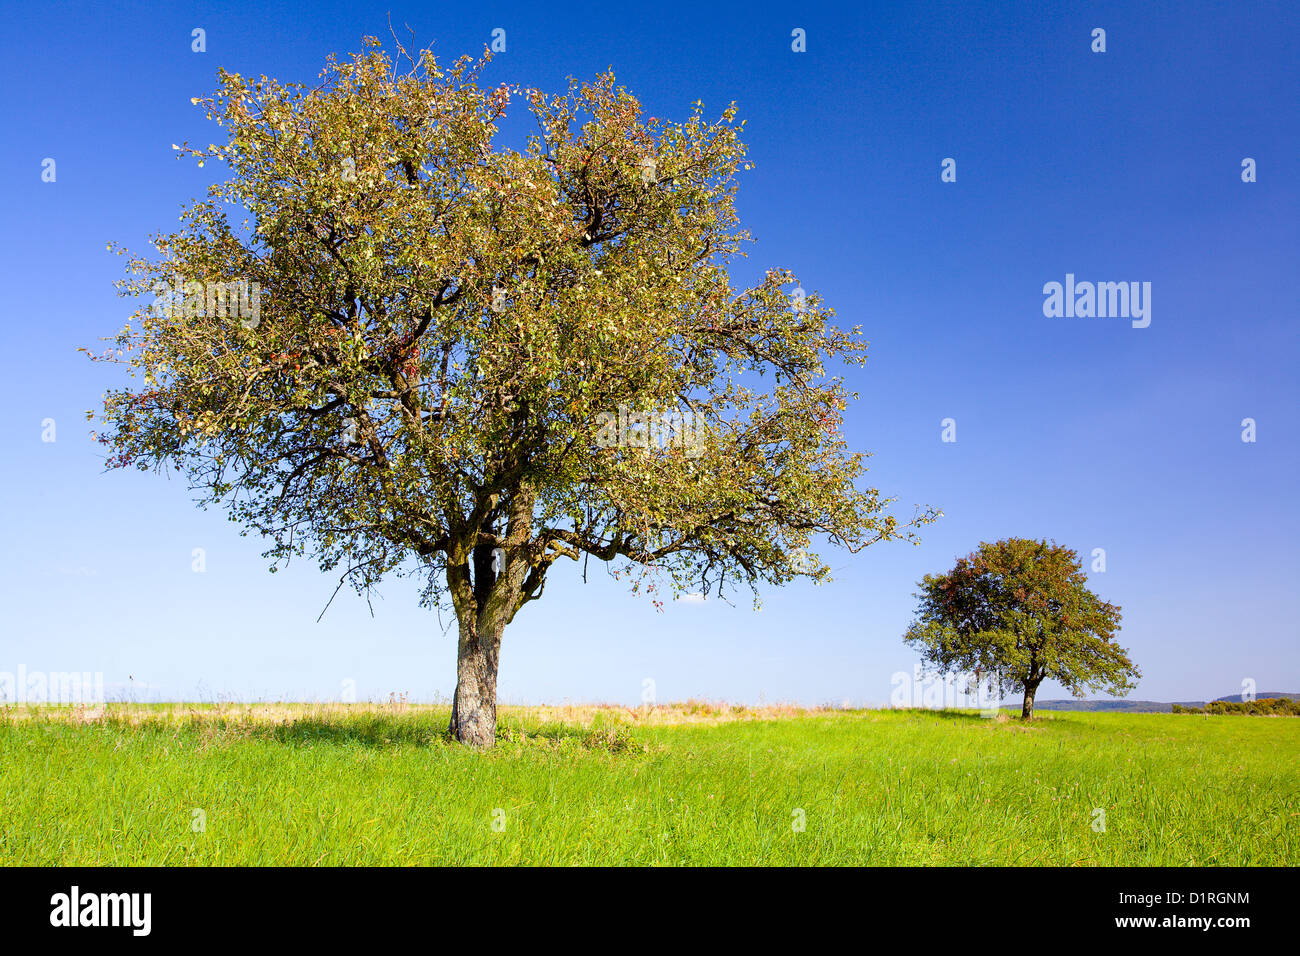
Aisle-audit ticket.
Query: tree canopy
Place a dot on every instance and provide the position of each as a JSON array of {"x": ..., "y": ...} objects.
[{"x": 393, "y": 343}]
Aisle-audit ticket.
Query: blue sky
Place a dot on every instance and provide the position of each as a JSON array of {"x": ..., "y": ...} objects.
[{"x": 1115, "y": 166}]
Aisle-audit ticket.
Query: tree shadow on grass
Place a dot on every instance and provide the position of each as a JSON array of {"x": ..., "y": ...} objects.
[
  {"x": 380, "y": 733},
  {"x": 390, "y": 731},
  {"x": 384, "y": 733},
  {"x": 947, "y": 714},
  {"x": 612, "y": 739},
  {"x": 1005, "y": 716}
]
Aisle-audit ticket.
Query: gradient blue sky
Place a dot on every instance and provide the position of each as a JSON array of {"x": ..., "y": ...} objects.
[{"x": 1115, "y": 166}]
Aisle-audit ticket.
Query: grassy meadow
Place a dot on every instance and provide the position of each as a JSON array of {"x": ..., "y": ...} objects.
[{"x": 270, "y": 784}]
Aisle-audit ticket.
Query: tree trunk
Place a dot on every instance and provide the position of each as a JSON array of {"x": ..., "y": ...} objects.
[
  {"x": 474, "y": 708},
  {"x": 1027, "y": 709},
  {"x": 485, "y": 603}
]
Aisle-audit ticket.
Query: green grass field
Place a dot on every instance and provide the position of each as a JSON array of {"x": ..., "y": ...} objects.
[{"x": 687, "y": 784}]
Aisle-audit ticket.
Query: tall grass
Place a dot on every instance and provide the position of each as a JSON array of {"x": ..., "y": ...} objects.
[{"x": 287, "y": 784}]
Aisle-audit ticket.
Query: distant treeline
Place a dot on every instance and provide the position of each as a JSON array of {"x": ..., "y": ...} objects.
[{"x": 1280, "y": 706}]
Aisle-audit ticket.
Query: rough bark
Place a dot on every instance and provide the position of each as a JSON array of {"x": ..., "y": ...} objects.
[
  {"x": 1027, "y": 708},
  {"x": 484, "y": 606},
  {"x": 474, "y": 708},
  {"x": 478, "y": 653}
]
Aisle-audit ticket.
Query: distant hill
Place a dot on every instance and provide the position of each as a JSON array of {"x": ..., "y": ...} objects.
[
  {"x": 1138, "y": 706},
  {"x": 1114, "y": 706}
]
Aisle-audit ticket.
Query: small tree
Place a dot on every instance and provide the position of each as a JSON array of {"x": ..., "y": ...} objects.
[
  {"x": 465, "y": 361},
  {"x": 1018, "y": 612}
]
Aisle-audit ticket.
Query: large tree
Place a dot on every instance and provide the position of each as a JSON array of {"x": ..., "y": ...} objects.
[
  {"x": 423, "y": 351},
  {"x": 1017, "y": 612}
]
